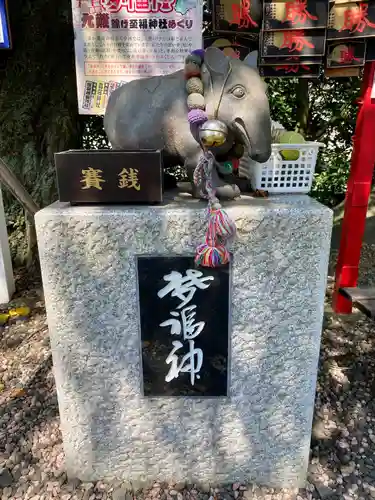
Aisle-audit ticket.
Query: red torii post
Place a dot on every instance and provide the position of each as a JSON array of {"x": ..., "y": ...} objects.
[{"x": 357, "y": 194}]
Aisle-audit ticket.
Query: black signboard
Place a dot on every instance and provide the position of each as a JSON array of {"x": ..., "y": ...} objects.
[
  {"x": 234, "y": 46},
  {"x": 184, "y": 320},
  {"x": 295, "y": 42},
  {"x": 295, "y": 14},
  {"x": 109, "y": 176},
  {"x": 290, "y": 71},
  {"x": 351, "y": 20},
  {"x": 237, "y": 16},
  {"x": 345, "y": 54}
]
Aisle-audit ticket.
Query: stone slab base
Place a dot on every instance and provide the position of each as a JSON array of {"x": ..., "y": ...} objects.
[{"x": 261, "y": 432}]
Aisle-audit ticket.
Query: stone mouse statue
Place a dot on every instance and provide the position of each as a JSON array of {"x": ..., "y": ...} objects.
[{"x": 151, "y": 113}]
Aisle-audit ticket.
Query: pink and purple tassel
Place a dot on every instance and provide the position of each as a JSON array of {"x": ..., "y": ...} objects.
[{"x": 221, "y": 229}]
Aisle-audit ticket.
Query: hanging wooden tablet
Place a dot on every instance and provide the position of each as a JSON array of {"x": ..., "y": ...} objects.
[
  {"x": 272, "y": 61},
  {"x": 295, "y": 14},
  {"x": 237, "y": 16},
  {"x": 351, "y": 20},
  {"x": 341, "y": 72},
  {"x": 290, "y": 71},
  {"x": 297, "y": 43},
  {"x": 345, "y": 54}
]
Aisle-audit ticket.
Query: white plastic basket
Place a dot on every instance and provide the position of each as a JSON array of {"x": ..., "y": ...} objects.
[{"x": 286, "y": 176}]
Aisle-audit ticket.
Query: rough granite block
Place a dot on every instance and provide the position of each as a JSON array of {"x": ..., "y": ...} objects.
[{"x": 261, "y": 432}]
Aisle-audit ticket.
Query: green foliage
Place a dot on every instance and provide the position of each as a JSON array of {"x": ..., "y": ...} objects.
[
  {"x": 38, "y": 103},
  {"x": 282, "y": 95},
  {"x": 16, "y": 225},
  {"x": 332, "y": 119},
  {"x": 331, "y": 115},
  {"x": 94, "y": 136},
  {"x": 330, "y": 183}
]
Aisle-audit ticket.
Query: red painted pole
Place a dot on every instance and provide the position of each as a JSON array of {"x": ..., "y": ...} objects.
[{"x": 357, "y": 194}]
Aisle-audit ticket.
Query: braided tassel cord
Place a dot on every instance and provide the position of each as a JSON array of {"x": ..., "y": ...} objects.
[{"x": 221, "y": 229}]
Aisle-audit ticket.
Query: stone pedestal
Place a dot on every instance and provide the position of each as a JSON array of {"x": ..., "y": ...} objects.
[
  {"x": 261, "y": 432},
  {"x": 7, "y": 286}
]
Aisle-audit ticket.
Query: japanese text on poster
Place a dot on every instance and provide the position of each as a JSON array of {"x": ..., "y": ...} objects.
[{"x": 117, "y": 41}]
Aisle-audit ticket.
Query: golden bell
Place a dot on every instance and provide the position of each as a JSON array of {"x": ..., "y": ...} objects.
[{"x": 213, "y": 133}]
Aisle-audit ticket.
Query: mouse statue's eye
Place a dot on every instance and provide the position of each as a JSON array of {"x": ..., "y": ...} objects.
[{"x": 238, "y": 92}]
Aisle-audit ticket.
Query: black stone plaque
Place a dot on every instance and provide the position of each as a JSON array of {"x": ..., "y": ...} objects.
[
  {"x": 342, "y": 72},
  {"x": 184, "y": 319}
]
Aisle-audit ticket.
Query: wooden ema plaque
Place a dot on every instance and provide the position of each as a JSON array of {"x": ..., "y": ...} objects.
[
  {"x": 351, "y": 20},
  {"x": 237, "y": 16},
  {"x": 282, "y": 70},
  {"x": 184, "y": 323},
  {"x": 296, "y": 14},
  {"x": 341, "y": 72},
  {"x": 293, "y": 43},
  {"x": 109, "y": 176},
  {"x": 291, "y": 60},
  {"x": 346, "y": 54}
]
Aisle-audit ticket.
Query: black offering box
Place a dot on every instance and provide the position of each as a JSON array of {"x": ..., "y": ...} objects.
[{"x": 109, "y": 176}]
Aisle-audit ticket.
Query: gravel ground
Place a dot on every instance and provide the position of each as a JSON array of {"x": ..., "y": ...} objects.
[{"x": 342, "y": 460}]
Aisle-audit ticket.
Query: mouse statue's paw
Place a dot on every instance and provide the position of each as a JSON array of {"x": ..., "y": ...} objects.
[
  {"x": 223, "y": 188},
  {"x": 228, "y": 192},
  {"x": 223, "y": 192}
]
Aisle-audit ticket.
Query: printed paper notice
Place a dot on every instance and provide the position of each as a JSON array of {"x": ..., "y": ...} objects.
[{"x": 117, "y": 41}]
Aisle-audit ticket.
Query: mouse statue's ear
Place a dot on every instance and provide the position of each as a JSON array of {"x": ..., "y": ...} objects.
[
  {"x": 252, "y": 59},
  {"x": 216, "y": 61}
]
